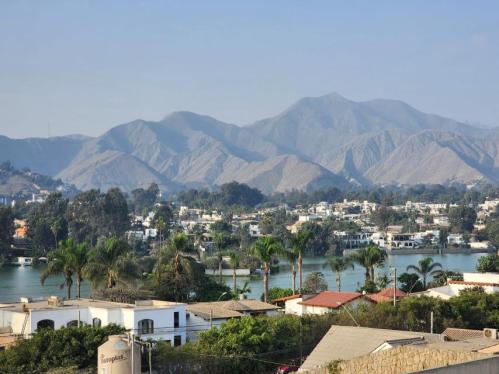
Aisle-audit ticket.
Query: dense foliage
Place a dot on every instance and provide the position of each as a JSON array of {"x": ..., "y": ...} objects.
[
  {"x": 6, "y": 229},
  {"x": 49, "y": 349}
]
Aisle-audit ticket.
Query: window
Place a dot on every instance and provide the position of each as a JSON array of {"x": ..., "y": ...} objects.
[
  {"x": 177, "y": 340},
  {"x": 96, "y": 322},
  {"x": 73, "y": 323},
  {"x": 45, "y": 324},
  {"x": 176, "y": 319},
  {"x": 146, "y": 326}
]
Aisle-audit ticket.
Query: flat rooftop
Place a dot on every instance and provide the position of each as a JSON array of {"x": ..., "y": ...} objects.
[{"x": 87, "y": 303}]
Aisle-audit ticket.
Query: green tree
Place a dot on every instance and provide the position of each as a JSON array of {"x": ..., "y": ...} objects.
[
  {"x": 383, "y": 216},
  {"x": 462, "y": 218},
  {"x": 6, "y": 229},
  {"x": 112, "y": 262},
  {"x": 234, "y": 264},
  {"x": 426, "y": 267},
  {"x": 277, "y": 293},
  {"x": 488, "y": 264},
  {"x": 48, "y": 349},
  {"x": 265, "y": 248},
  {"x": 298, "y": 243},
  {"x": 369, "y": 258},
  {"x": 221, "y": 241},
  {"x": 315, "y": 282},
  {"x": 338, "y": 265},
  {"x": 69, "y": 259},
  {"x": 409, "y": 282},
  {"x": 292, "y": 257}
]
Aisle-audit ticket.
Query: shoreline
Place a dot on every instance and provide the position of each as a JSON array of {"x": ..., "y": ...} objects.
[{"x": 437, "y": 251}]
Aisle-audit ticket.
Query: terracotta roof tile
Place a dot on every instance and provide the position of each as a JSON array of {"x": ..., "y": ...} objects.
[{"x": 331, "y": 299}]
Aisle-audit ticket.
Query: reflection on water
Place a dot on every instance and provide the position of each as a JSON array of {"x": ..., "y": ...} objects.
[{"x": 25, "y": 281}]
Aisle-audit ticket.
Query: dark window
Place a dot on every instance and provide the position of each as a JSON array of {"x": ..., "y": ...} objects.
[
  {"x": 96, "y": 322},
  {"x": 177, "y": 340},
  {"x": 73, "y": 323},
  {"x": 146, "y": 326},
  {"x": 45, "y": 324},
  {"x": 176, "y": 319}
]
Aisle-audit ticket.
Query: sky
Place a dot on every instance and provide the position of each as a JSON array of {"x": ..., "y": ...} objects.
[{"x": 70, "y": 67}]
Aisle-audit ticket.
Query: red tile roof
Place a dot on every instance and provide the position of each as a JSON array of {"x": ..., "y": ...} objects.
[
  {"x": 331, "y": 299},
  {"x": 387, "y": 295},
  {"x": 473, "y": 283}
]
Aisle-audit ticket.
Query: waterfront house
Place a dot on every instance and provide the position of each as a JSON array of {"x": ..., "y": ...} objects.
[
  {"x": 147, "y": 319},
  {"x": 488, "y": 281}
]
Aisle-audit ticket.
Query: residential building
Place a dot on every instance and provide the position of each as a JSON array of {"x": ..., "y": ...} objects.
[
  {"x": 147, "y": 319},
  {"x": 202, "y": 316},
  {"x": 488, "y": 281},
  {"x": 376, "y": 351},
  {"x": 323, "y": 302},
  {"x": 455, "y": 239},
  {"x": 387, "y": 295}
]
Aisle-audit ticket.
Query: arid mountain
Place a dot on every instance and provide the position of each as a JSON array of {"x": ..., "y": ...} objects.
[{"x": 317, "y": 142}]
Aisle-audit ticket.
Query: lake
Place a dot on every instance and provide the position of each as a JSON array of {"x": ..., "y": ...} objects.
[{"x": 16, "y": 282}]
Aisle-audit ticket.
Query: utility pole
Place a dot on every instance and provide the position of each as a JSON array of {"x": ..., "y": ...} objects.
[
  {"x": 394, "y": 286},
  {"x": 431, "y": 322},
  {"x": 211, "y": 318}
]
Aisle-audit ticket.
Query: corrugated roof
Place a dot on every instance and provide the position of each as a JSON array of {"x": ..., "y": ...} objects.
[
  {"x": 286, "y": 298},
  {"x": 229, "y": 309},
  {"x": 331, "y": 299},
  {"x": 386, "y": 295},
  {"x": 467, "y": 283}
]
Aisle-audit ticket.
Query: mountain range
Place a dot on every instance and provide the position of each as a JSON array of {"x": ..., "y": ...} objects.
[{"x": 317, "y": 142}]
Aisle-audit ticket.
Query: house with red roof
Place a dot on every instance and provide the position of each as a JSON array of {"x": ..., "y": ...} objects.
[
  {"x": 323, "y": 302},
  {"x": 387, "y": 295}
]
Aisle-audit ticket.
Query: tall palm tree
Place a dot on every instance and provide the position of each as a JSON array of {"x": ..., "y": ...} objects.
[
  {"x": 221, "y": 241},
  {"x": 299, "y": 242},
  {"x": 80, "y": 262},
  {"x": 292, "y": 257},
  {"x": 339, "y": 264},
  {"x": 234, "y": 264},
  {"x": 111, "y": 262},
  {"x": 55, "y": 227},
  {"x": 426, "y": 267},
  {"x": 60, "y": 262},
  {"x": 369, "y": 258},
  {"x": 160, "y": 226},
  {"x": 265, "y": 248}
]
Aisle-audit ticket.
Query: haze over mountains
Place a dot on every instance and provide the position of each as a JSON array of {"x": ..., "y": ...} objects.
[{"x": 317, "y": 142}]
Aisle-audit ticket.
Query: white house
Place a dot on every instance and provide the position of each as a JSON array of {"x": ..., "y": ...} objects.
[
  {"x": 455, "y": 239},
  {"x": 147, "y": 319},
  {"x": 488, "y": 281},
  {"x": 322, "y": 303}
]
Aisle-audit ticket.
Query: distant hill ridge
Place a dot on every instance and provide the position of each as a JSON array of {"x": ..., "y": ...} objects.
[{"x": 317, "y": 142}]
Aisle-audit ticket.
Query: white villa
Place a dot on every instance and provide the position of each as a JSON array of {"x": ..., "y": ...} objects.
[
  {"x": 488, "y": 281},
  {"x": 147, "y": 319}
]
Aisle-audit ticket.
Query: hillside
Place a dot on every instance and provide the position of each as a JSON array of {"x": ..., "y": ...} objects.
[{"x": 316, "y": 142}]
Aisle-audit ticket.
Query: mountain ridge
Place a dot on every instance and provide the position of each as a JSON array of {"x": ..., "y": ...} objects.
[{"x": 316, "y": 142}]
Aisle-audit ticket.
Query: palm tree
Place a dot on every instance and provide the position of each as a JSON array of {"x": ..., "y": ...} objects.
[
  {"x": 220, "y": 240},
  {"x": 60, "y": 262},
  {"x": 369, "y": 258},
  {"x": 80, "y": 262},
  {"x": 265, "y": 248},
  {"x": 338, "y": 264},
  {"x": 292, "y": 257},
  {"x": 426, "y": 267},
  {"x": 160, "y": 226},
  {"x": 111, "y": 262},
  {"x": 234, "y": 264},
  {"x": 299, "y": 242},
  {"x": 55, "y": 227}
]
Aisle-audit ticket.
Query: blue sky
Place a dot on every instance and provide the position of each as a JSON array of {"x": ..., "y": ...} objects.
[{"x": 85, "y": 66}]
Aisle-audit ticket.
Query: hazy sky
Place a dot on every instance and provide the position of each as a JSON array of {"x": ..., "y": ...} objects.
[{"x": 85, "y": 66}]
